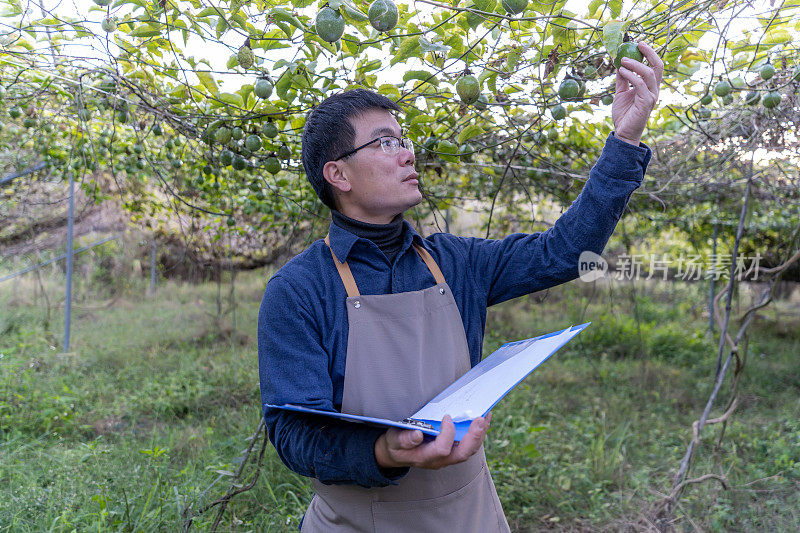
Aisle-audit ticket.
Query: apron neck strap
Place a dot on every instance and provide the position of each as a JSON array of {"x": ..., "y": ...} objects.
[
  {"x": 350, "y": 282},
  {"x": 432, "y": 266},
  {"x": 344, "y": 271}
]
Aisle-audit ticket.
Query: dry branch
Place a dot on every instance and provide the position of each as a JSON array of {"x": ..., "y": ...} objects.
[{"x": 234, "y": 488}]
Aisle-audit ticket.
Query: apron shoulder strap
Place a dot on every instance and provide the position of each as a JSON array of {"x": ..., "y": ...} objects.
[
  {"x": 344, "y": 271},
  {"x": 432, "y": 266},
  {"x": 350, "y": 283}
]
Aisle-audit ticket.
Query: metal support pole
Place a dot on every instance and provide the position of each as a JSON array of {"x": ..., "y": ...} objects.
[
  {"x": 712, "y": 287},
  {"x": 153, "y": 267},
  {"x": 68, "y": 302}
]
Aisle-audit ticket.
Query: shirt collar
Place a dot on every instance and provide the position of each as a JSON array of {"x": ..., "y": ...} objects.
[{"x": 342, "y": 241}]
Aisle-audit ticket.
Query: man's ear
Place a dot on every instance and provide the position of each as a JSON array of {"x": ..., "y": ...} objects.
[{"x": 334, "y": 173}]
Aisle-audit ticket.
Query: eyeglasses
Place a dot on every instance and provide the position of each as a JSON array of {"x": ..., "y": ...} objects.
[{"x": 389, "y": 144}]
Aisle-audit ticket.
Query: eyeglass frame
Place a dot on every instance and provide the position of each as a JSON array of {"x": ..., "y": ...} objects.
[{"x": 399, "y": 145}]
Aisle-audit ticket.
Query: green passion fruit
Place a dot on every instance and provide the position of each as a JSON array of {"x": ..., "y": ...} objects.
[
  {"x": 383, "y": 15},
  {"x": 569, "y": 89},
  {"x": 270, "y": 130},
  {"x": 223, "y": 135},
  {"x": 558, "y": 112},
  {"x": 468, "y": 89},
  {"x": 253, "y": 143},
  {"x": 239, "y": 162},
  {"x": 109, "y": 25},
  {"x": 245, "y": 57},
  {"x": 722, "y": 89},
  {"x": 329, "y": 24},
  {"x": 627, "y": 49},
  {"x": 772, "y": 99},
  {"x": 263, "y": 88},
  {"x": 226, "y": 157},
  {"x": 272, "y": 164}
]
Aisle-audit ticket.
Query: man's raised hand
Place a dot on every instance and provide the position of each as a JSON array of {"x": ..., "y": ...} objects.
[{"x": 637, "y": 88}]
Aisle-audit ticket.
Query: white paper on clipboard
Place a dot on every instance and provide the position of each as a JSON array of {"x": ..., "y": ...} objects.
[{"x": 477, "y": 391}]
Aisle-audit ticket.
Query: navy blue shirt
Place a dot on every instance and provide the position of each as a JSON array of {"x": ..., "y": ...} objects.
[{"x": 302, "y": 324}]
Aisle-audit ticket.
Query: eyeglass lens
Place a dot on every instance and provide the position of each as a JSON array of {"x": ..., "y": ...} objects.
[{"x": 391, "y": 145}]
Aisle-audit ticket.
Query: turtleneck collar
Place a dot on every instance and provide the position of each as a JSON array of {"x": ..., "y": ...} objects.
[{"x": 388, "y": 237}]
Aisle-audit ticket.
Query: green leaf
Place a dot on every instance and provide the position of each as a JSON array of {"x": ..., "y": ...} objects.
[
  {"x": 776, "y": 36},
  {"x": 352, "y": 46},
  {"x": 147, "y": 30},
  {"x": 352, "y": 14},
  {"x": 240, "y": 20},
  {"x": 389, "y": 90},
  {"x": 545, "y": 7},
  {"x": 231, "y": 98},
  {"x": 593, "y": 5},
  {"x": 221, "y": 27},
  {"x": 208, "y": 12},
  {"x": 208, "y": 81},
  {"x": 283, "y": 84},
  {"x": 286, "y": 28},
  {"x": 123, "y": 2},
  {"x": 488, "y": 79},
  {"x": 613, "y": 33},
  {"x": 422, "y": 119},
  {"x": 422, "y": 75},
  {"x": 616, "y": 7},
  {"x": 428, "y": 46},
  {"x": 512, "y": 60},
  {"x": 370, "y": 65},
  {"x": 473, "y": 130},
  {"x": 280, "y": 14},
  {"x": 408, "y": 47}
]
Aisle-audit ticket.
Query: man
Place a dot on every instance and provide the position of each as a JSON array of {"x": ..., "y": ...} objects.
[{"x": 374, "y": 320}]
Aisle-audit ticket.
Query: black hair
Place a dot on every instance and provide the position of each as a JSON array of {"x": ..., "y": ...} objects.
[{"x": 328, "y": 133}]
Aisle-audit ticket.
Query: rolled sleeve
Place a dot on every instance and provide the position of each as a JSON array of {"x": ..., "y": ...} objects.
[{"x": 623, "y": 160}]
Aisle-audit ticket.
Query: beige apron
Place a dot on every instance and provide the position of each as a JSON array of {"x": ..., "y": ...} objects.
[{"x": 402, "y": 350}]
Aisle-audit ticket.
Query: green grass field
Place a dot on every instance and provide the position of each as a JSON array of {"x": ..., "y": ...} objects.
[{"x": 159, "y": 394}]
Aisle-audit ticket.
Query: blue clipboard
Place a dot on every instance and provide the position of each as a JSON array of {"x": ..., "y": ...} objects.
[{"x": 493, "y": 364}]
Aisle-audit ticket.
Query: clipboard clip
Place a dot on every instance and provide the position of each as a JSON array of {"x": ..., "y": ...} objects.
[{"x": 417, "y": 423}]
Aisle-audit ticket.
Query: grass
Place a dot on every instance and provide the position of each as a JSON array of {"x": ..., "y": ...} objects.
[{"x": 159, "y": 394}]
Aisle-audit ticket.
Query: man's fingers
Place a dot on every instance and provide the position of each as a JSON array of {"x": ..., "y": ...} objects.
[
  {"x": 443, "y": 444},
  {"x": 645, "y": 72},
  {"x": 403, "y": 439},
  {"x": 410, "y": 439},
  {"x": 620, "y": 84},
  {"x": 637, "y": 82},
  {"x": 472, "y": 440},
  {"x": 653, "y": 60}
]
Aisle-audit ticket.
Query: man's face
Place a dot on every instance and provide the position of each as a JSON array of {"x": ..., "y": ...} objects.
[{"x": 381, "y": 184}]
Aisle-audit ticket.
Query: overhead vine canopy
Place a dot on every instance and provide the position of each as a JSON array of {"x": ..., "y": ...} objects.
[{"x": 196, "y": 107}]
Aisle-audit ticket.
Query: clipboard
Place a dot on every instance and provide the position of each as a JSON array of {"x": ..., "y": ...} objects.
[{"x": 475, "y": 393}]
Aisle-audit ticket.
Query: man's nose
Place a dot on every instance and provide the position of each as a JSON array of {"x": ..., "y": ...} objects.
[{"x": 407, "y": 156}]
